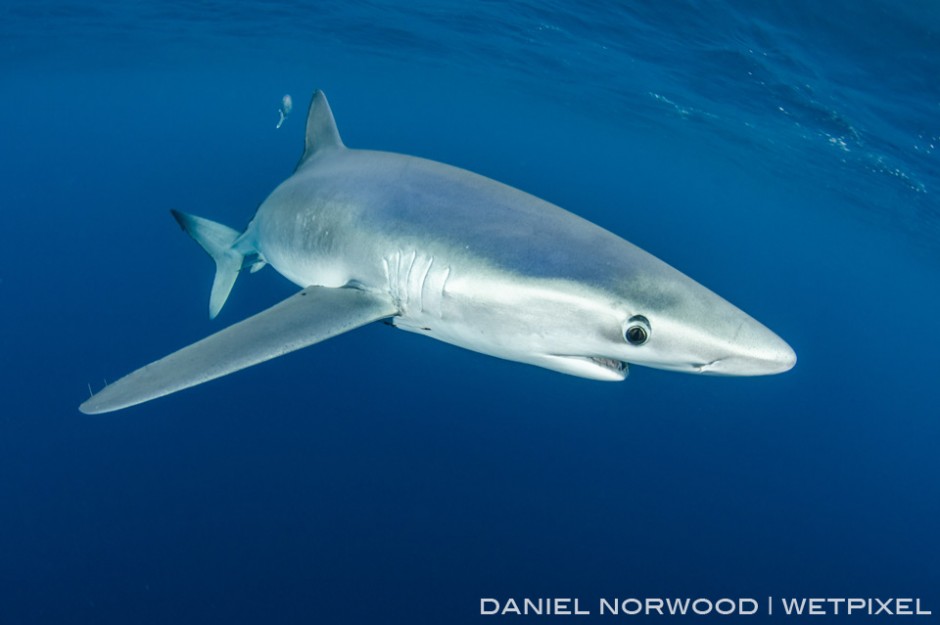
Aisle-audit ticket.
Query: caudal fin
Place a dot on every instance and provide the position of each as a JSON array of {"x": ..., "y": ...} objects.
[{"x": 219, "y": 242}]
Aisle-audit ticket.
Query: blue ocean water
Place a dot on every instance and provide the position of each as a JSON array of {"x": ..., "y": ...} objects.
[{"x": 783, "y": 154}]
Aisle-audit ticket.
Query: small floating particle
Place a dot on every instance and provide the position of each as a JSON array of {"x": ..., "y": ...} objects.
[{"x": 287, "y": 103}]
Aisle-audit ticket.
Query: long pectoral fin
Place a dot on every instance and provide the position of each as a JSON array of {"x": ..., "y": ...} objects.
[{"x": 313, "y": 315}]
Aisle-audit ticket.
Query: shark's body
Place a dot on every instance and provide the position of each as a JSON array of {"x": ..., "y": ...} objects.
[{"x": 459, "y": 257}]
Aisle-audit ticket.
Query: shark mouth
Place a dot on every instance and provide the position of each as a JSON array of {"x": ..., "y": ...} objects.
[
  {"x": 615, "y": 366},
  {"x": 592, "y": 367}
]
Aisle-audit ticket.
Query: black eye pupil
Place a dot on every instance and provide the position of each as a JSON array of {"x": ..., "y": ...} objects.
[{"x": 636, "y": 335}]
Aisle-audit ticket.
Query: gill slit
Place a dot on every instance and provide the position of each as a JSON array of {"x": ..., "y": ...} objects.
[{"x": 422, "y": 291}]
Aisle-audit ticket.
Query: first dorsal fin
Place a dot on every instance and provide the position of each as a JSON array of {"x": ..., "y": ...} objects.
[{"x": 321, "y": 128}]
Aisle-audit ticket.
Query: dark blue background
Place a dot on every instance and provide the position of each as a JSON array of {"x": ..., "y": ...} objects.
[{"x": 784, "y": 156}]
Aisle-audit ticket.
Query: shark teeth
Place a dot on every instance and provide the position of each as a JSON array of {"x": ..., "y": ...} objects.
[{"x": 609, "y": 363}]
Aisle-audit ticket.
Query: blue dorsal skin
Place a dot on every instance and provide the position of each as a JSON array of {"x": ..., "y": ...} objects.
[{"x": 458, "y": 257}]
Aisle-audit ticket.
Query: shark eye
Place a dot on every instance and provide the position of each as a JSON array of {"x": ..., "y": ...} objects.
[{"x": 638, "y": 330}]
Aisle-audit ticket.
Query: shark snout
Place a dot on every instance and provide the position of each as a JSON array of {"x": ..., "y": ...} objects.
[
  {"x": 761, "y": 352},
  {"x": 778, "y": 358}
]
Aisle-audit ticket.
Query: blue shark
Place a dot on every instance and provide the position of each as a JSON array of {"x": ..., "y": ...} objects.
[{"x": 450, "y": 254}]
